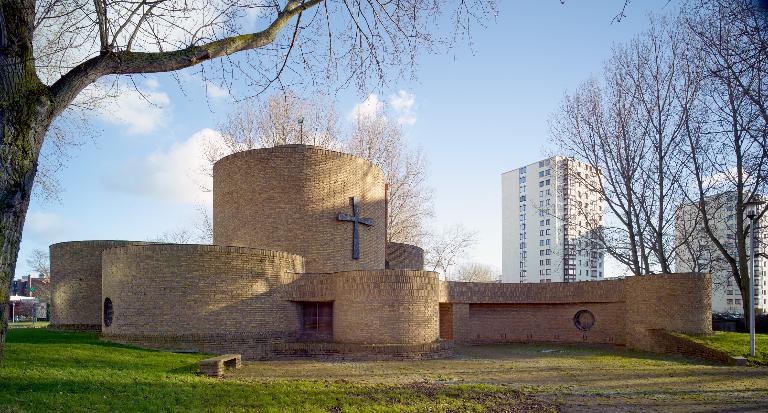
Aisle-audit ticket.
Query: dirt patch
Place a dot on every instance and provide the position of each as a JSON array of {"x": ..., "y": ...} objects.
[{"x": 578, "y": 379}]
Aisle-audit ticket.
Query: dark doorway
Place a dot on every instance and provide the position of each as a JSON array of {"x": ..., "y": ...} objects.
[
  {"x": 109, "y": 312},
  {"x": 446, "y": 321},
  {"x": 316, "y": 320}
]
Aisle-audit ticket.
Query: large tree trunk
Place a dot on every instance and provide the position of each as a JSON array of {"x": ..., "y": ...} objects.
[{"x": 25, "y": 113}]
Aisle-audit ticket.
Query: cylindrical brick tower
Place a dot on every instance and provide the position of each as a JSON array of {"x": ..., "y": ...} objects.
[
  {"x": 386, "y": 307},
  {"x": 76, "y": 283},
  {"x": 289, "y": 198}
]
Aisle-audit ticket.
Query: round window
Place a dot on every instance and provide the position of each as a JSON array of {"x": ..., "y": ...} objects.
[
  {"x": 109, "y": 312},
  {"x": 584, "y": 320}
]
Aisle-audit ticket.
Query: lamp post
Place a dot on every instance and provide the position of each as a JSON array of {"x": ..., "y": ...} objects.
[{"x": 752, "y": 215}]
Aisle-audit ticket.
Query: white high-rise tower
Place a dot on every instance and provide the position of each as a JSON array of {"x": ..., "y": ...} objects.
[{"x": 548, "y": 215}]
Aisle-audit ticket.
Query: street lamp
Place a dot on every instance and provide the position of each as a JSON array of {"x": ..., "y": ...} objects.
[{"x": 752, "y": 215}]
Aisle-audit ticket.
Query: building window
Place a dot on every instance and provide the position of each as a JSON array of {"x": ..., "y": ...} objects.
[
  {"x": 316, "y": 320},
  {"x": 584, "y": 320},
  {"x": 109, "y": 312}
]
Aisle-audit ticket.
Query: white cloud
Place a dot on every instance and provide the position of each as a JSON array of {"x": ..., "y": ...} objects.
[
  {"x": 176, "y": 174},
  {"x": 152, "y": 83},
  {"x": 46, "y": 226},
  {"x": 404, "y": 104},
  {"x": 371, "y": 107},
  {"x": 215, "y": 91},
  {"x": 141, "y": 112}
]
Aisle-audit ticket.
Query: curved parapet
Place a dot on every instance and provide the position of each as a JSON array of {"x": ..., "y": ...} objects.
[
  {"x": 402, "y": 256},
  {"x": 670, "y": 302},
  {"x": 76, "y": 283},
  {"x": 199, "y": 297}
]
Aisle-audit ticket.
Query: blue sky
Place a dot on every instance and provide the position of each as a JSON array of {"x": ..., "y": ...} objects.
[{"x": 479, "y": 111}]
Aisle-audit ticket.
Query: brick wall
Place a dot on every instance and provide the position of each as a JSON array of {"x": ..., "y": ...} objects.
[
  {"x": 666, "y": 342},
  {"x": 209, "y": 298},
  {"x": 404, "y": 256},
  {"x": 498, "y": 323},
  {"x": 625, "y": 310},
  {"x": 76, "y": 283},
  {"x": 672, "y": 302},
  {"x": 287, "y": 198},
  {"x": 376, "y": 307}
]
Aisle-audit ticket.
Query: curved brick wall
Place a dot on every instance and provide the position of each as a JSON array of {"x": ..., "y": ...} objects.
[
  {"x": 287, "y": 198},
  {"x": 672, "y": 302},
  {"x": 382, "y": 307},
  {"x": 404, "y": 256},
  {"x": 76, "y": 283},
  {"x": 200, "y": 297},
  {"x": 626, "y": 311}
]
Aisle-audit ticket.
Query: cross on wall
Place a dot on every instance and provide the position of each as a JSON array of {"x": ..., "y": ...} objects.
[{"x": 356, "y": 220}]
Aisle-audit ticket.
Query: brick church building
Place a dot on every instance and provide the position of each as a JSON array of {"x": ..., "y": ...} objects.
[{"x": 300, "y": 266}]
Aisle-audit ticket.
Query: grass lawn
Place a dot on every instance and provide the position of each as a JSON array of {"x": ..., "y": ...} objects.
[
  {"x": 737, "y": 344},
  {"x": 47, "y": 371},
  {"x": 28, "y": 324}
]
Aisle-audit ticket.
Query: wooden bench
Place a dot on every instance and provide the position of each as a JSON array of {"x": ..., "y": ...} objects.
[{"x": 215, "y": 366}]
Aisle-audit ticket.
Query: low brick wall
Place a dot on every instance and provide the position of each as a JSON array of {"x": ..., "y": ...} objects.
[
  {"x": 666, "y": 342},
  {"x": 347, "y": 351},
  {"x": 624, "y": 310},
  {"x": 252, "y": 346}
]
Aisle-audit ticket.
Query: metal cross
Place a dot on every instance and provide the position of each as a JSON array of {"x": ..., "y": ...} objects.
[{"x": 355, "y": 219}]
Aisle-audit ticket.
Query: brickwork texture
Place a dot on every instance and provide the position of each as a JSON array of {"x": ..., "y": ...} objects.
[
  {"x": 76, "y": 283},
  {"x": 287, "y": 198},
  {"x": 404, "y": 256},
  {"x": 199, "y": 297}
]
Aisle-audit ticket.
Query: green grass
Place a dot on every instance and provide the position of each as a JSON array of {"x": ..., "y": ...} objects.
[
  {"x": 47, "y": 371},
  {"x": 28, "y": 324},
  {"x": 737, "y": 344}
]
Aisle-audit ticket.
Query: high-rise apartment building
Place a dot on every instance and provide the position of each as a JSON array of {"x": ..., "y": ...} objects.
[
  {"x": 549, "y": 216},
  {"x": 698, "y": 253}
]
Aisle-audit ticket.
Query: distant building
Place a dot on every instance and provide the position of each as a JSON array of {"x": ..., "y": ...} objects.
[
  {"x": 29, "y": 286},
  {"x": 548, "y": 214},
  {"x": 699, "y": 253}
]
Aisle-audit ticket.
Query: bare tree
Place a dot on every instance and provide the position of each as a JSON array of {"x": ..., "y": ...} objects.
[
  {"x": 629, "y": 126},
  {"x": 728, "y": 136},
  {"x": 375, "y": 136},
  {"x": 474, "y": 272},
  {"x": 177, "y": 236},
  {"x": 51, "y": 50},
  {"x": 285, "y": 118},
  {"x": 39, "y": 261},
  {"x": 379, "y": 139},
  {"x": 444, "y": 250}
]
